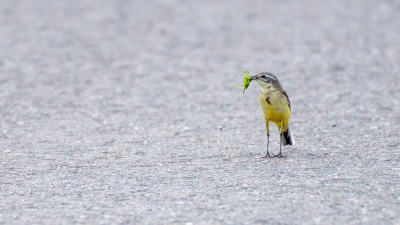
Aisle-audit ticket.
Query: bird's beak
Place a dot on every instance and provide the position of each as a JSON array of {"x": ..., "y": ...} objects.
[{"x": 254, "y": 77}]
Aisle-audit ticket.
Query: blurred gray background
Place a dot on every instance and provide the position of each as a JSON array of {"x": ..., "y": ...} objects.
[{"x": 120, "y": 112}]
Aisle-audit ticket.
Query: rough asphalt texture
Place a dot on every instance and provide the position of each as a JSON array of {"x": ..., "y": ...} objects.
[{"x": 120, "y": 112}]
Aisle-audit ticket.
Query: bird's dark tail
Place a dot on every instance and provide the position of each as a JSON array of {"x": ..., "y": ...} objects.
[{"x": 287, "y": 138}]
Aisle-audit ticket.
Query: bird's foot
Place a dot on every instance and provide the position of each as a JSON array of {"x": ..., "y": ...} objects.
[
  {"x": 268, "y": 156},
  {"x": 279, "y": 156}
]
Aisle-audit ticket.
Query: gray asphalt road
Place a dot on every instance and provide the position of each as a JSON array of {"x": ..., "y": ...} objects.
[{"x": 120, "y": 112}]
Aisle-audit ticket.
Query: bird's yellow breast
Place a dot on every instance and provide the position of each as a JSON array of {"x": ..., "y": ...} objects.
[{"x": 275, "y": 107}]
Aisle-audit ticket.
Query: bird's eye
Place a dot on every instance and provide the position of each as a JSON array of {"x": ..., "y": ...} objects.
[{"x": 263, "y": 76}]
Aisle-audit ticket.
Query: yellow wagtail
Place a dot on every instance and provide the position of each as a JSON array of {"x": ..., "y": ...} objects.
[{"x": 275, "y": 107}]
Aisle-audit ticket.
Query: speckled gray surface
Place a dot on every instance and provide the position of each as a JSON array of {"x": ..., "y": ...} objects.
[{"x": 120, "y": 112}]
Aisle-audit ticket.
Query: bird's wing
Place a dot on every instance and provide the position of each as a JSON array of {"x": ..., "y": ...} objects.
[{"x": 287, "y": 97}]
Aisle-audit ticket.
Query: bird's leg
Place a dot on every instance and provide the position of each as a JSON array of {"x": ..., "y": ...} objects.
[
  {"x": 268, "y": 155},
  {"x": 267, "y": 128},
  {"x": 280, "y": 146}
]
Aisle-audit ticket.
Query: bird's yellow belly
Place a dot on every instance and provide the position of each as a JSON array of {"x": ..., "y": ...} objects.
[
  {"x": 275, "y": 108},
  {"x": 275, "y": 114}
]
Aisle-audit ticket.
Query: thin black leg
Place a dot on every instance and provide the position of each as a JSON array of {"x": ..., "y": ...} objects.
[
  {"x": 280, "y": 149},
  {"x": 268, "y": 155}
]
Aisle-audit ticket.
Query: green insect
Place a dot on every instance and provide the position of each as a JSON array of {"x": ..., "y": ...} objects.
[{"x": 246, "y": 81}]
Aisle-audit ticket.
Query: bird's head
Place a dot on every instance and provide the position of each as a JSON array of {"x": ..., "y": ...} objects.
[{"x": 267, "y": 80}]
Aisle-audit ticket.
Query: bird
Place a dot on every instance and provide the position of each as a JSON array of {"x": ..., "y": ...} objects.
[{"x": 275, "y": 106}]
